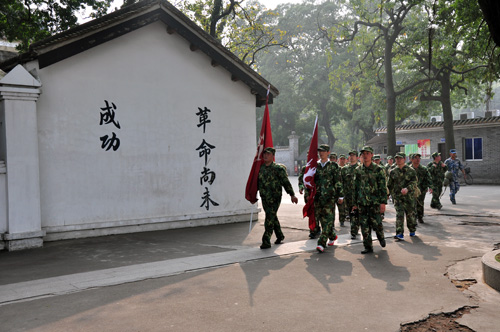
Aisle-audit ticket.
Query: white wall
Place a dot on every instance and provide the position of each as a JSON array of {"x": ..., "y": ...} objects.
[{"x": 157, "y": 85}]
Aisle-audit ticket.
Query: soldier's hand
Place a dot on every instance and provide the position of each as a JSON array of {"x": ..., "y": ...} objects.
[
  {"x": 301, "y": 191},
  {"x": 430, "y": 190},
  {"x": 295, "y": 200},
  {"x": 404, "y": 191},
  {"x": 382, "y": 208}
]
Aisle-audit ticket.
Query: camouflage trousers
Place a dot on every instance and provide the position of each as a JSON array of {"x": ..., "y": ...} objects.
[
  {"x": 353, "y": 217},
  {"x": 341, "y": 208},
  {"x": 405, "y": 207},
  {"x": 271, "y": 223},
  {"x": 370, "y": 219},
  {"x": 325, "y": 216},
  {"x": 454, "y": 188},
  {"x": 420, "y": 205},
  {"x": 436, "y": 194}
]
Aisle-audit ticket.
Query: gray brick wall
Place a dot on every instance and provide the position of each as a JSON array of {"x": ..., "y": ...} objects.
[{"x": 485, "y": 171}]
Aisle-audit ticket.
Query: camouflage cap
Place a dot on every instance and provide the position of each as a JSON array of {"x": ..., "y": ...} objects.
[
  {"x": 366, "y": 148},
  {"x": 400, "y": 155},
  {"x": 415, "y": 155},
  {"x": 270, "y": 150},
  {"x": 389, "y": 157},
  {"x": 333, "y": 154},
  {"x": 342, "y": 156},
  {"x": 453, "y": 151},
  {"x": 435, "y": 154},
  {"x": 376, "y": 157},
  {"x": 354, "y": 152},
  {"x": 324, "y": 147}
]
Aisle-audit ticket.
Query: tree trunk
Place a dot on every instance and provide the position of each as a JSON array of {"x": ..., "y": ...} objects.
[
  {"x": 444, "y": 79},
  {"x": 390, "y": 96},
  {"x": 325, "y": 122}
]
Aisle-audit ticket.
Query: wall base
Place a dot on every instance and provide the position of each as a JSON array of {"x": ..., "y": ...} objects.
[
  {"x": 59, "y": 234},
  {"x": 22, "y": 241}
]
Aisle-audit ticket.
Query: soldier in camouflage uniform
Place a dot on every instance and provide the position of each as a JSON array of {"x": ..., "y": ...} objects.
[
  {"x": 389, "y": 166},
  {"x": 402, "y": 184},
  {"x": 342, "y": 207},
  {"x": 424, "y": 182},
  {"x": 454, "y": 166},
  {"x": 437, "y": 169},
  {"x": 328, "y": 189},
  {"x": 370, "y": 198},
  {"x": 272, "y": 177},
  {"x": 304, "y": 190},
  {"x": 348, "y": 184}
]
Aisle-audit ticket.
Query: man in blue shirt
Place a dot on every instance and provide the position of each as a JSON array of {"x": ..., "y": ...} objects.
[{"x": 454, "y": 166}]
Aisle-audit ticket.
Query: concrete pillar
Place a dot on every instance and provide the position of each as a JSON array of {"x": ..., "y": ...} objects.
[
  {"x": 19, "y": 91},
  {"x": 294, "y": 144}
]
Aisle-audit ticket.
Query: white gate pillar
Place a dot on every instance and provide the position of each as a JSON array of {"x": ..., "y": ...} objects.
[{"x": 19, "y": 91}]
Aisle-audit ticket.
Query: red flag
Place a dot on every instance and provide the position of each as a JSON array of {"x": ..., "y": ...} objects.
[
  {"x": 312, "y": 162},
  {"x": 265, "y": 141}
]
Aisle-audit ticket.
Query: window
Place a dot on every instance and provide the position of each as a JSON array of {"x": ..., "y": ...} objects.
[{"x": 473, "y": 148}]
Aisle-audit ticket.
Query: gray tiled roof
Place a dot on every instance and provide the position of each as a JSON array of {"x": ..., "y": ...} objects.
[{"x": 495, "y": 120}]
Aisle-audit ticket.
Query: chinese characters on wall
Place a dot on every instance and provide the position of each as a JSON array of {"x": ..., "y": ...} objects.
[
  {"x": 108, "y": 118},
  {"x": 207, "y": 177}
]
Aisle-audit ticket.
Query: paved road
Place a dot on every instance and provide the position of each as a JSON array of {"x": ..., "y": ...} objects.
[{"x": 216, "y": 279}]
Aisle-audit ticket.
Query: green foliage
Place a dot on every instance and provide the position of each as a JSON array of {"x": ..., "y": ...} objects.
[
  {"x": 30, "y": 21},
  {"x": 245, "y": 28}
]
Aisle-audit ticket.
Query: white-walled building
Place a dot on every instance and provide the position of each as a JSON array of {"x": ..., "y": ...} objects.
[{"x": 135, "y": 121}]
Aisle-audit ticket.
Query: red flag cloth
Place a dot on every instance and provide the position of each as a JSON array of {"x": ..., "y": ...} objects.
[
  {"x": 265, "y": 141},
  {"x": 312, "y": 162}
]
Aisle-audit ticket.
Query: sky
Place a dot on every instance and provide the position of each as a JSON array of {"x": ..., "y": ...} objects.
[{"x": 270, "y": 4}]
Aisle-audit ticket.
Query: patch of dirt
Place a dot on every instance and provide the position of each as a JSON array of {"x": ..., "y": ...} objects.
[
  {"x": 464, "y": 284},
  {"x": 439, "y": 322}
]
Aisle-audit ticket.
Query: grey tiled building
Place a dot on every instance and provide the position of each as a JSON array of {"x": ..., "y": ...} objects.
[{"x": 477, "y": 142}]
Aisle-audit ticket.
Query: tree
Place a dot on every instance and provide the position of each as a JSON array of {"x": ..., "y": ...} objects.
[
  {"x": 30, "y": 21},
  {"x": 375, "y": 28},
  {"x": 244, "y": 27},
  {"x": 456, "y": 57},
  {"x": 301, "y": 71}
]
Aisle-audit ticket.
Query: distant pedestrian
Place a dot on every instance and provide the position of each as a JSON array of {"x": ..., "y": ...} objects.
[
  {"x": 272, "y": 178},
  {"x": 437, "y": 169},
  {"x": 370, "y": 195},
  {"x": 402, "y": 185},
  {"x": 328, "y": 188},
  {"x": 424, "y": 183},
  {"x": 454, "y": 166},
  {"x": 348, "y": 184},
  {"x": 342, "y": 206}
]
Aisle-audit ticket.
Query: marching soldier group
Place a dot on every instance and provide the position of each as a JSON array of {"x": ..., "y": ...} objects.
[{"x": 360, "y": 188}]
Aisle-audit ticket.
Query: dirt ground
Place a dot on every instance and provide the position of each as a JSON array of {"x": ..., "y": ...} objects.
[{"x": 440, "y": 322}]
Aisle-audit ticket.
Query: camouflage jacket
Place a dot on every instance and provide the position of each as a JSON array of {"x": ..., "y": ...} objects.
[
  {"x": 328, "y": 183},
  {"x": 271, "y": 179},
  {"x": 437, "y": 173},
  {"x": 454, "y": 166},
  {"x": 370, "y": 187},
  {"x": 400, "y": 178},
  {"x": 388, "y": 169},
  {"x": 348, "y": 180},
  {"x": 423, "y": 178}
]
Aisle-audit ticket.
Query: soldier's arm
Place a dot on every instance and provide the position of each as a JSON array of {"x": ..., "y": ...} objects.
[
  {"x": 382, "y": 185},
  {"x": 285, "y": 182}
]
